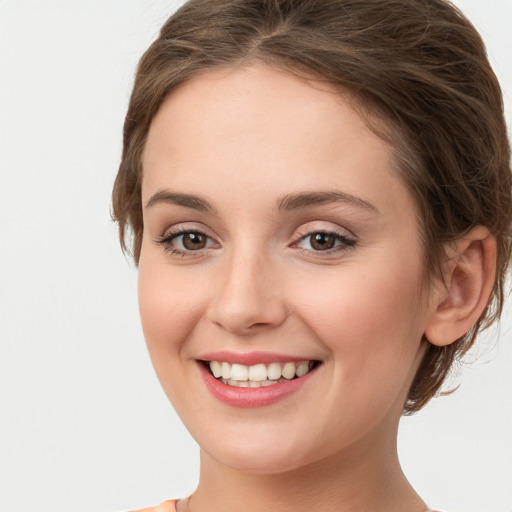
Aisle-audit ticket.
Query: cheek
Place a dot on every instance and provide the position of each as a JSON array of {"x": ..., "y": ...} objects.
[
  {"x": 372, "y": 331},
  {"x": 370, "y": 319},
  {"x": 169, "y": 307}
]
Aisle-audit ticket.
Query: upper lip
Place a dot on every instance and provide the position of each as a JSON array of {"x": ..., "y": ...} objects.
[{"x": 251, "y": 358}]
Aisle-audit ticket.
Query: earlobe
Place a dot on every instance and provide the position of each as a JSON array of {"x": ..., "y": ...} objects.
[{"x": 469, "y": 278}]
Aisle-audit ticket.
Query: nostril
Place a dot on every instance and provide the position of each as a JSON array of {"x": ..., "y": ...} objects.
[{"x": 257, "y": 325}]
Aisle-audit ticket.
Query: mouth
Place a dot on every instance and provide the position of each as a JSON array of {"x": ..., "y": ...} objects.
[{"x": 258, "y": 375}]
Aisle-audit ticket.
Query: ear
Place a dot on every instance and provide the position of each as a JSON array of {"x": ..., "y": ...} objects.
[{"x": 458, "y": 302}]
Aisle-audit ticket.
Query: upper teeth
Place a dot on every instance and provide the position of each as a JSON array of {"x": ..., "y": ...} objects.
[{"x": 259, "y": 372}]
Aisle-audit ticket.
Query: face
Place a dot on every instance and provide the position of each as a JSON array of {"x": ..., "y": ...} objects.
[{"x": 281, "y": 271}]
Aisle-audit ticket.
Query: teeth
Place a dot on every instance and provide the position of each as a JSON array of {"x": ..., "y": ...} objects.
[
  {"x": 216, "y": 369},
  {"x": 251, "y": 383},
  {"x": 288, "y": 370},
  {"x": 302, "y": 369},
  {"x": 239, "y": 372},
  {"x": 225, "y": 370},
  {"x": 258, "y": 375},
  {"x": 258, "y": 372},
  {"x": 274, "y": 371}
]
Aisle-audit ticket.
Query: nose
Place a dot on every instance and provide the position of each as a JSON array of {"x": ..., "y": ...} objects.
[{"x": 250, "y": 296}]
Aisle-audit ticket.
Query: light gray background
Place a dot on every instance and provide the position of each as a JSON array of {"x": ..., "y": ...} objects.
[{"x": 84, "y": 425}]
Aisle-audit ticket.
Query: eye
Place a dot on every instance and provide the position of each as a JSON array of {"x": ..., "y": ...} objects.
[
  {"x": 322, "y": 241},
  {"x": 185, "y": 242},
  {"x": 192, "y": 241},
  {"x": 325, "y": 241}
]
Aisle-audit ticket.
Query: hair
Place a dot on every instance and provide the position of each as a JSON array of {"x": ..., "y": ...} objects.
[{"x": 417, "y": 65}]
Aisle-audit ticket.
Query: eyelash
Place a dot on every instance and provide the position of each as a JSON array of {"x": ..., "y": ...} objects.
[
  {"x": 345, "y": 242},
  {"x": 166, "y": 241}
]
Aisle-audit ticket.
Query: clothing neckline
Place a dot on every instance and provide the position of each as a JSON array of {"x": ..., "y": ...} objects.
[{"x": 175, "y": 503}]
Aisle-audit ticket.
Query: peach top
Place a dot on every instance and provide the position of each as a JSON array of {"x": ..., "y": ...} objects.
[
  {"x": 170, "y": 506},
  {"x": 166, "y": 506}
]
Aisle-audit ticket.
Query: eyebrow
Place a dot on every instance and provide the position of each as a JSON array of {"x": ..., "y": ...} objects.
[
  {"x": 285, "y": 203},
  {"x": 186, "y": 200},
  {"x": 305, "y": 199}
]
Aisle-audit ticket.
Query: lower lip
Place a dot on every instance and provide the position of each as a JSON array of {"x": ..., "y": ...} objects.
[{"x": 252, "y": 397}]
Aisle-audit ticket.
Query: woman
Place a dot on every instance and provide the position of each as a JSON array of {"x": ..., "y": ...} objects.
[{"x": 320, "y": 200}]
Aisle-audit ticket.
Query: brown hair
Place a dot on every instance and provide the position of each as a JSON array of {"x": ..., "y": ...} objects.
[{"x": 418, "y": 64}]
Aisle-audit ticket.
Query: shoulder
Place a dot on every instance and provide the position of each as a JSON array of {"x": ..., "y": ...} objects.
[{"x": 166, "y": 506}]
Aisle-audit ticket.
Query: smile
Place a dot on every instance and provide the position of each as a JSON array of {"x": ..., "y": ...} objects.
[{"x": 259, "y": 375}]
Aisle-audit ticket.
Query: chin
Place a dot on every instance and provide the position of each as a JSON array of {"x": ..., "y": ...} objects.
[
  {"x": 258, "y": 462},
  {"x": 261, "y": 454}
]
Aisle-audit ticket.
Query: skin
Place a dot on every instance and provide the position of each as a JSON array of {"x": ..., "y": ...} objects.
[{"x": 243, "y": 140}]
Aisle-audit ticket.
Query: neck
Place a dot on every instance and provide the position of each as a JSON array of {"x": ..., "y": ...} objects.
[{"x": 364, "y": 477}]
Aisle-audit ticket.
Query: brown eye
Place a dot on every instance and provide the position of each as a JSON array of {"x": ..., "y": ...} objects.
[
  {"x": 186, "y": 243},
  {"x": 322, "y": 241},
  {"x": 194, "y": 241},
  {"x": 325, "y": 241}
]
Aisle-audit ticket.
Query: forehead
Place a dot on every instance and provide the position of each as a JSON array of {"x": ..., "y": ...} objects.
[{"x": 259, "y": 129}]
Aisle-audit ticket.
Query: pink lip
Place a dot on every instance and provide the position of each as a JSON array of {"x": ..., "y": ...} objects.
[
  {"x": 252, "y": 397},
  {"x": 250, "y": 358}
]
